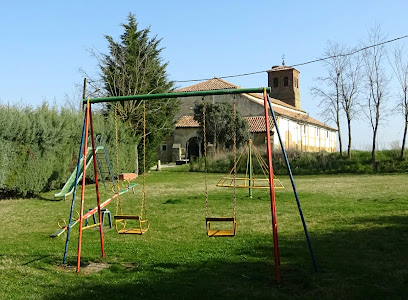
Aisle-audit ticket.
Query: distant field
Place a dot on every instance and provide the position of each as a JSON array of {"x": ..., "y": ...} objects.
[{"x": 358, "y": 226}]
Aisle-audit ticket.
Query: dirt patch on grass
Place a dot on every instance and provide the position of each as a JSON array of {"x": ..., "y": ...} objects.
[
  {"x": 128, "y": 266},
  {"x": 89, "y": 269},
  {"x": 94, "y": 268}
]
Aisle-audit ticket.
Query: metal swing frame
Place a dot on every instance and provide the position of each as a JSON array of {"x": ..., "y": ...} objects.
[{"x": 267, "y": 103}]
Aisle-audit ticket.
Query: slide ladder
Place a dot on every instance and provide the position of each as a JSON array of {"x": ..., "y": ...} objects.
[
  {"x": 68, "y": 188},
  {"x": 102, "y": 160}
]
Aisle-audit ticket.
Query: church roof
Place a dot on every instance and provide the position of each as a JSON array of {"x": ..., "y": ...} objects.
[
  {"x": 281, "y": 108},
  {"x": 212, "y": 84},
  {"x": 280, "y": 68},
  {"x": 219, "y": 84},
  {"x": 186, "y": 122},
  {"x": 256, "y": 124}
]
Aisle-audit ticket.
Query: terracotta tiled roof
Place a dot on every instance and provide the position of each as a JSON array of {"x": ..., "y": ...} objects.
[
  {"x": 217, "y": 84},
  {"x": 212, "y": 84},
  {"x": 273, "y": 100},
  {"x": 280, "y": 68},
  {"x": 256, "y": 124},
  {"x": 300, "y": 117},
  {"x": 187, "y": 121}
]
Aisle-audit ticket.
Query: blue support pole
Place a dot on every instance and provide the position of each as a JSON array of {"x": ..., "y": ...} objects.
[
  {"x": 75, "y": 188},
  {"x": 294, "y": 187}
]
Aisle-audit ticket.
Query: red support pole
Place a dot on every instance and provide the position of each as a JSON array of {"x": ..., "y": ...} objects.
[
  {"x": 272, "y": 190},
  {"x": 96, "y": 182},
  {"x": 81, "y": 212}
]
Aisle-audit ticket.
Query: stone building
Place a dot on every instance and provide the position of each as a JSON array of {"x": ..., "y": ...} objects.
[{"x": 299, "y": 131}]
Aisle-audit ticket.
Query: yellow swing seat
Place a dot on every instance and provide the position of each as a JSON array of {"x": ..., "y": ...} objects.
[
  {"x": 221, "y": 232},
  {"x": 143, "y": 224}
]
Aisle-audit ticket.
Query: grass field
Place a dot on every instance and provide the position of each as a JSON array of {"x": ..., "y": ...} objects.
[{"x": 358, "y": 226}]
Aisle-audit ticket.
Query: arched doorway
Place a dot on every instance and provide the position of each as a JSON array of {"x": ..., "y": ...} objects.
[{"x": 194, "y": 148}]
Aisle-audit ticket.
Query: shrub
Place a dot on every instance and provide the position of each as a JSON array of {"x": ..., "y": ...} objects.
[
  {"x": 39, "y": 147},
  {"x": 310, "y": 163}
]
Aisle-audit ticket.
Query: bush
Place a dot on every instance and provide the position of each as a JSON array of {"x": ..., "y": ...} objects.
[
  {"x": 39, "y": 147},
  {"x": 313, "y": 163}
]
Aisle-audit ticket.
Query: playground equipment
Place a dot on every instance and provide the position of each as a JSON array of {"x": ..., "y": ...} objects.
[
  {"x": 211, "y": 232},
  {"x": 267, "y": 103},
  {"x": 103, "y": 167},
  {"x": 121, "y": 219},
  {"x": 250, "y": 180},
  {"x": 90, "y": 213},
  {"x": 84, "y": 158}
]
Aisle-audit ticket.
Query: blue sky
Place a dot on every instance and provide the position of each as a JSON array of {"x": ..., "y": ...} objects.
[{"x": 44, "y": 43}]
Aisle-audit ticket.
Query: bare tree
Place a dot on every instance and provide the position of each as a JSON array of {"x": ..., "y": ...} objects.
[
  {"x": 376, "y": 81},
  {"x": 350, "y": 80},
  {"x": 400, "y": 67},
  {"x": 329, "y": 90}
]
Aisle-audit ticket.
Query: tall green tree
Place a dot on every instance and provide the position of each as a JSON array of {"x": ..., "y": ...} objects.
[
  {"x": 134, "y": 66},
  {"x": 220, "y": 124}
]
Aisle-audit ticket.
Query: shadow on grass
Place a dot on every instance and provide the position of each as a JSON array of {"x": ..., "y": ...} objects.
[
  {"x": 50, "y": 198},
  {"x": 367, "y": 260}
]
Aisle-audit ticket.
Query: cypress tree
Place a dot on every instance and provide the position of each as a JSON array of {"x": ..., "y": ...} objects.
[{"x": 134, "y": 66}]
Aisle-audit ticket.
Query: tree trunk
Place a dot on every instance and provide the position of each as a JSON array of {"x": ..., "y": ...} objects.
[
  {"x": 404, "y": 139},
  {"x": 349, "y": 137},
  {"x": 340, "y": 143},
  {"x": 373, "y": 148},
  {"x": 338, "y": 116}
]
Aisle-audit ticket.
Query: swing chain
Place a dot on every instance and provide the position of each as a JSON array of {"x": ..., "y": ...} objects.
[
  {"x": 116, "y": 140},
  {"x": 235, "y": 157},
  {"x": 205, "y": 162},
  {"x": 144, "y": 202},
  {"x": 115, "y": 188}
]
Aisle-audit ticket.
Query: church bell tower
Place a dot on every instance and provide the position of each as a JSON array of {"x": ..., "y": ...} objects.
[{"x": 284, "y": 84}]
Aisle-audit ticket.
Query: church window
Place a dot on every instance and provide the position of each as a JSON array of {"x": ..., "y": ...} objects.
[
  {"x": 286, "y": 81},
  {"x": 275, "y": 82}
]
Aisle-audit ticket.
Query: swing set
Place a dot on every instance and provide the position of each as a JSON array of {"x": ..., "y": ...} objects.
[
  {"x": 120, "y": 219},
  {"x": 211, "y": 232},
  {"x": 249, "y": 180}
]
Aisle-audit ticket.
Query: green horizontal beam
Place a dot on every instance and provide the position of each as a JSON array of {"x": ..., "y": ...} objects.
[{"x": 177, "y": 95}]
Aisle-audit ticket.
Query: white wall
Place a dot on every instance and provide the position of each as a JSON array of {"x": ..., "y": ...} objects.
[{"x": 305, "y": 137}]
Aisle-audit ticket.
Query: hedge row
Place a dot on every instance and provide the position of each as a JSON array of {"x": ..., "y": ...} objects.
[
  {"x": 312, "y": 163},
  {"x": 39, "y": 147}
]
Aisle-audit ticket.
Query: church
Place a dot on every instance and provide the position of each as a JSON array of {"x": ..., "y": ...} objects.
[{"x": 299, "y": 131}]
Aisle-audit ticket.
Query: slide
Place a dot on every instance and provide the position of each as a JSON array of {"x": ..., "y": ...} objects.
[{"x": 68, "y": 188}]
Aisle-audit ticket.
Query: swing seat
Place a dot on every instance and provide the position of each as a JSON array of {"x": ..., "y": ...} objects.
[
  {"x": 138, "y": 230},
  {"x": 221, "y": 232}
]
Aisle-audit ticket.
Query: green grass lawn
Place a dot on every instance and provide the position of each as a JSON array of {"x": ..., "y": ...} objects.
[{"x": 358, "y": 226}]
